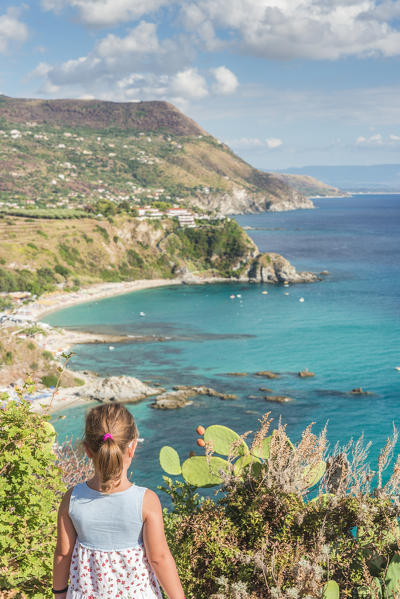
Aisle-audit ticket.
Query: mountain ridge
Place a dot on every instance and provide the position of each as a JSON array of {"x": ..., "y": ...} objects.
[
  {"x": 77, "y": 151},
  {"x": 358, "y": 178}
]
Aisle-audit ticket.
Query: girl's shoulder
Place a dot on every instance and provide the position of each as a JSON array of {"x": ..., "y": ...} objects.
[{"x": 151, "y": 503}]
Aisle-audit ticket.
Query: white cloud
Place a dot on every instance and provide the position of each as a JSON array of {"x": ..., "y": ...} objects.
[
  {"x": 12, "y": 30},
  {"x": 114, "y": 58},
  {"x": 378, "y": 140},
  {"x": 251, "y": 143},
  {"x": 189, "y": 84},
  {"x": 311, "y": 29},
  {"x": 373, "y": 140},
  {"x": 103, "y": 13},
  {"x": 246, "y": 143},
  {"x": 273, "y": 142},
  {"x": 225, "y": 81},
  {"x": 138, "y": 65},
  {"x": 140, "y": 40}
]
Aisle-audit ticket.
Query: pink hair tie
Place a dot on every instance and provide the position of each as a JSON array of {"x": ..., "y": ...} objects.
[{"x": 107, "y": 436}]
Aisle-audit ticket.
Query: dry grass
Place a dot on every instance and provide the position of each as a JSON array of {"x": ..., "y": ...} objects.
[{"x": 75, "y": 466}]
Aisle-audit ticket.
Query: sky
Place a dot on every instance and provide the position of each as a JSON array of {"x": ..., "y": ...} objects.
[{"x": 284, "y": 83}]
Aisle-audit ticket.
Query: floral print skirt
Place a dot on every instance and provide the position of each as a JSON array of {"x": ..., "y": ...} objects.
[{"x": 99, "y": 574}]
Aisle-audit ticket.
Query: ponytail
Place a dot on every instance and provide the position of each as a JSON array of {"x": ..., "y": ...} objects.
[
  {"x": 109, "y": 429},
  {"x": 108, "y": 461}
]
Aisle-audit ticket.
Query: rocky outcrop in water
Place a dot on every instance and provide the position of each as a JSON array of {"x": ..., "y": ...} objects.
[
  {"x": 274, "y": 268},
  {"x": 180, "y": 396},
  {"x": 278, "y": 398},
  {"x": 125, "y": 389}
]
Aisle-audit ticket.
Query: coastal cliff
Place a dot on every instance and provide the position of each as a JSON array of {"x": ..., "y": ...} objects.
[
  {"x": 71, "y": 153},
  {"x": 88, "y": 251}
]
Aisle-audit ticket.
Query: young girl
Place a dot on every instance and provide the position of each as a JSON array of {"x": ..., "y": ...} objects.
[{"x": 111, "y": 540}]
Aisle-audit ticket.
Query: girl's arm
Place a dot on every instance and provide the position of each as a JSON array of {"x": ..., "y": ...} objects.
[
  {"x": 157, "y": 550},
  {"x": 65, "y": 545}
]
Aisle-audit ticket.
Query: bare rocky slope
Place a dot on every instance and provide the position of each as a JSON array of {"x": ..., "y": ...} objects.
[{"x": 309, "y": 186}]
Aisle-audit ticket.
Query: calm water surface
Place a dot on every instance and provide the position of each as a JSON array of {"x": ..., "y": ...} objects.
[{"x": 346, "y": 331}]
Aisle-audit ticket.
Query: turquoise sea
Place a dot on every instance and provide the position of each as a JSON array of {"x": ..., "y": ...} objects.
[{"x": 346, "y": 331}]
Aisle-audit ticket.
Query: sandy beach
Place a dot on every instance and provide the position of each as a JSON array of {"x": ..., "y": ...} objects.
[{"x": 52, "y": 302}]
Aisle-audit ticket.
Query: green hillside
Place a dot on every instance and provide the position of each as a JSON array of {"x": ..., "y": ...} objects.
[
  {"x": 71, "y": 153},
  {"x": 39, "y": 255}
]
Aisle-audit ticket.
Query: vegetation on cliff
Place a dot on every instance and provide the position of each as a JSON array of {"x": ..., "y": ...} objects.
[
  {"x": 73, "y": 152},
  {"x": 38, "y": 256}
]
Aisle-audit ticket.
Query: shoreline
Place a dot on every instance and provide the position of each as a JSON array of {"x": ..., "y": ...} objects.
[
  {"x": 59, "y": 340},
  {"x": 59, "y": 300}
]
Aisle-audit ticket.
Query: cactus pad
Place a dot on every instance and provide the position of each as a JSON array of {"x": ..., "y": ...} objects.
[
  {"x": 392, "y": 578},
  {"x": 222, "y": 440},
  {"x": 313, "y": 474},
  {"x": 169, "y": 460},
  {"x": 264, "y": 449},
  {"x": 322, "y": 500},
  {"x": 201, "y": 471},
  {"x": 331, "y": 590},
  {"x": 242, "y": 462}
]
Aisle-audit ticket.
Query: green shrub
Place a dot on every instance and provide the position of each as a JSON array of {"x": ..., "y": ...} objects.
[
  {"x": 5, "y": 303},
  {"x": 47, "y": 355},
  {"x": 32, "y": 331},
  {"x": 31, "y": 345},
  {"x": 61, "y": 270},
  {"x": 69, "y": 254},
  {"x": 103, "y": 232},
  {"x": 8, "y": 358},
  {"x": 134, "y": 259},
  {"x": 30, "y": 491},
  {"x": 49, "y": 380},
  {"x": 271, "y": 533}
]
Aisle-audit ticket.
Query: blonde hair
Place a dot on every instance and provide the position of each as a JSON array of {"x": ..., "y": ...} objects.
[{"x": 114, "y": 421}]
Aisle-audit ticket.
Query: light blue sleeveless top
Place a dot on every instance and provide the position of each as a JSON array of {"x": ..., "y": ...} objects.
[{"x": 109, "y": 522}]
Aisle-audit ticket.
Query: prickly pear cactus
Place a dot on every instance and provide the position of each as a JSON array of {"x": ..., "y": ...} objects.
[
  {"x": 313, "y": 474},
  {"x": 169, "y": 460},
  {"x": 392, "y": 578},
  {"x": 322, "y": 499},
  {"x": 202, "y": 471},
  {"x": 243, "y": 462},
  {"x": 224, "y": 440},
  {"x": 376, "y": 589},
  {"x": 264, "y": 449},
  {"x": 331, "y": 590}
]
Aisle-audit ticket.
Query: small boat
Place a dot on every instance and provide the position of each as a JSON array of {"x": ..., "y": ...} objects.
[
  {"x": 142, "y": 314},
  {"x": 238, "y": 295},
  {"x": 287, "y": 293},
  {"x": 111, "y": 347},
  {"x": 301, "y": 299},
  {"x": 264, "y": 292},
  {"x": 397, "y": 367},
  {"x": 232, "y": 296},
  {"x": 286, "y": 284}
]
